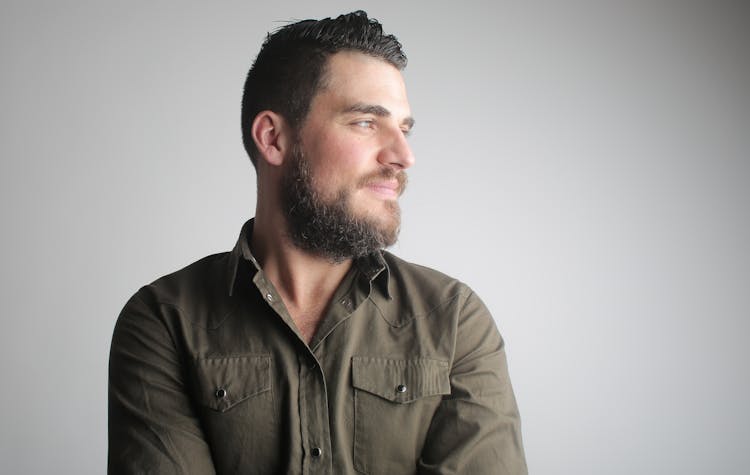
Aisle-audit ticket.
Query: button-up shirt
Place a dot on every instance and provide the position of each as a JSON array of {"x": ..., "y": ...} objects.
[{"x": 405, "y": 374}]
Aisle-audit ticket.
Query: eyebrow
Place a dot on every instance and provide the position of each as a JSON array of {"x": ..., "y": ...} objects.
[{"x": 376, "y": 110}]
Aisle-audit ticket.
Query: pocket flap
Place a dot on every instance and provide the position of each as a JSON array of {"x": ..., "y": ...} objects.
[
  {"x": 226, "y": 381},
  {"x": 401, "y": 380}
]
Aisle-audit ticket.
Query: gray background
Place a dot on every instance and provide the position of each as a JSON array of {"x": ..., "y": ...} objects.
[{"x": 583, "y": 165}]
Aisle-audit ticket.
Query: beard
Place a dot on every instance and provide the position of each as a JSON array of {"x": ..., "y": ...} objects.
[{"x": 331, "y": 229}]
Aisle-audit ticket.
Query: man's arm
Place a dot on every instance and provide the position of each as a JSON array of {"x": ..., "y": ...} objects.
[
  {"x": 152, "y": 424},
  {"x": 476, "y": 429}
]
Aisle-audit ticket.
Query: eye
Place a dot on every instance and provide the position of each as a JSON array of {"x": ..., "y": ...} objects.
[{"x": 365, "y": 123}]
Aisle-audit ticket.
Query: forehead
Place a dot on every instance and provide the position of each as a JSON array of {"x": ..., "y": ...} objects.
[{"x": 353, "y": 77}]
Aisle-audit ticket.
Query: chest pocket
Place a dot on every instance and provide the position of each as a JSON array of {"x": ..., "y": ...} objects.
[
  {"x": 227, "y": 381},
  {"x": 394, "y": 400},
  {"x": 235, "y": 397}
]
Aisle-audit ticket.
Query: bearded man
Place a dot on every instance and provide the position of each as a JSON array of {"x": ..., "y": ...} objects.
[{"x": 308, "y": 348}]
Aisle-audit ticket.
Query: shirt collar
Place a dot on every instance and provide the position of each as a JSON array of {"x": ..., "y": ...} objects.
[
  {"x": 372, "y": 266},
  {"x": 242, "y": 254}
]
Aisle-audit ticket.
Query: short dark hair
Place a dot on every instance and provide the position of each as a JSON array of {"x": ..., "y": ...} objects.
[{"x": 290, "y": 67}]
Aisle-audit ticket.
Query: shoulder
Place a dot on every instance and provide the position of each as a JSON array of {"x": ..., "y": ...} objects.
[
  {"x": 206, "y": 274},
  {"x": 418, "y": 290},
  {"x": 198, "y": 292},
  {"x": 396, "y": 263},
  {"x": 408, "y": 273},
  {"x": 421, "y": 293}
]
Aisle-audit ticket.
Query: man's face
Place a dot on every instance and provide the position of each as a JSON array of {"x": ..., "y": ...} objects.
[{"x": 346, "y": 171}]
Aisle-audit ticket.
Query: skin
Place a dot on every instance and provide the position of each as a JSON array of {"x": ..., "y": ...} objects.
[
  {"x": 357, "y": 127},
  {"x": 354, "y": 138}
]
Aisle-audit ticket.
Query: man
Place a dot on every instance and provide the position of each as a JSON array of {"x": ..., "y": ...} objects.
[{"x": 307, "y": 348}]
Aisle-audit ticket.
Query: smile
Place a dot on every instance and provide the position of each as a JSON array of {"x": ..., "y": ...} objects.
[{"x": 387, "y": 189}]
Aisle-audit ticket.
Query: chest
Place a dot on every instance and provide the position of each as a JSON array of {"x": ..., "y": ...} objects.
[
  {"x": 286, "y": 401},
  {"x": 307, "y": 319}
]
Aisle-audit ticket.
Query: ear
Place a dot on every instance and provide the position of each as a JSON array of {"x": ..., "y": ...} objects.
[{"x": 272, "y": 136}]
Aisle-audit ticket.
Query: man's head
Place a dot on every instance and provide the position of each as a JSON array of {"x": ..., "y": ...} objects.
[
  {"x": 291, "y": 65},
  {"x": 331, "y": 156}
]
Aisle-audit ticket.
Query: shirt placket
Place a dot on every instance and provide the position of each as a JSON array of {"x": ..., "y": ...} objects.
[
  {"x": 312, "y": 397},
  {"x": 313, "y": 404},
  {"x": 313, "y": 408}
]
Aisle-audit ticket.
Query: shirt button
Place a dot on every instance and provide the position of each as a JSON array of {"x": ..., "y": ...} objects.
[
  {"x": 313, "y": 366},
  {"x": 269, "y": 297},
  {"x": 401, "y": 388},
  {"x": 316, "y": 452},
  {"x": 221, "y": 393}
]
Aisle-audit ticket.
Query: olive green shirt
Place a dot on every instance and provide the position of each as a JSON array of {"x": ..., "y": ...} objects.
[{"x": 406, "y": 374}]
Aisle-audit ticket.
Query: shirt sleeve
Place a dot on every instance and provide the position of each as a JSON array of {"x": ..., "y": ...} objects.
[
  {"x": 476, "y": 429},
  {"x": 153, "y": 427}
]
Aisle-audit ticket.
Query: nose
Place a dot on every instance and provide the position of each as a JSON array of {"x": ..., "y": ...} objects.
[{"x": 397, "y": 152}]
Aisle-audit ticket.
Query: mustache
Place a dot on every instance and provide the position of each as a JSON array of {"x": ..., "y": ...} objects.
[{"x": 386, "y": 174}]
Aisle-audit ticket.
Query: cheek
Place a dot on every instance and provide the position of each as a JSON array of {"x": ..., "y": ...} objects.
[
  {"x": 342, "y": 153},
  {"x": 338, "y": 163}
]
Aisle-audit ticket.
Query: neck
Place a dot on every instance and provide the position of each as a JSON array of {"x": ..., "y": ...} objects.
[{"x": 305, "y": 282}]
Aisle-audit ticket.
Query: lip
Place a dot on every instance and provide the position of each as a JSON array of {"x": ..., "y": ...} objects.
[{"x": 386, "y": 189}]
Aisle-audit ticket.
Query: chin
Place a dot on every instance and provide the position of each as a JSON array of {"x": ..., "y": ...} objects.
[
  {"x": 387, "y": 220},
  {"x": 388, "y": 228}
]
